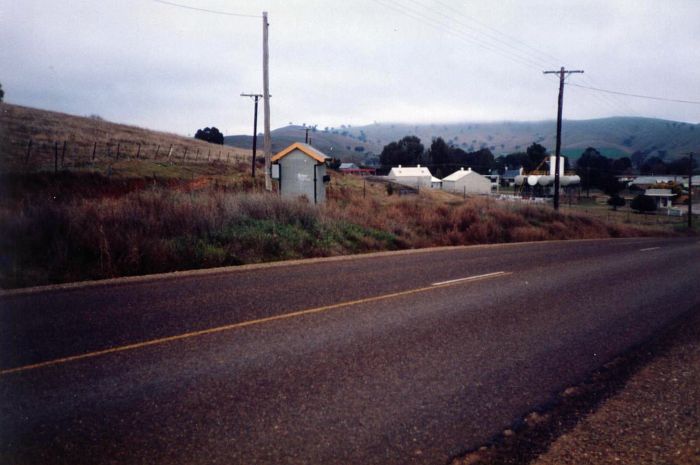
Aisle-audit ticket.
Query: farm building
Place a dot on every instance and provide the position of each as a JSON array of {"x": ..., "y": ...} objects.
[
  {"x": 466, "y": 182},
  {"x": 301, "y": 171},
  {"x": 662, "y": 197},
  {"x": 414, "y": 176}
]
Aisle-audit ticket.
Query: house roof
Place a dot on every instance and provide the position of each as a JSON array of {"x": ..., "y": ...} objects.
[
  {"x": 652, "y": 179},
  {"x": 306, "y": 149},
  {"x": 457, "y": 175},
  {"x": 659, "y": 193},
  {"x": 410, "y": 171}
]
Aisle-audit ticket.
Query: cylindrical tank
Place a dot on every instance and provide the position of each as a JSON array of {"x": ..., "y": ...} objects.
[
  {"x": 519, "y": 180},
  {"x": 532, "y": 180},
  {"x": 545, "y": 180},
  {"x": 569, "y": 180}
]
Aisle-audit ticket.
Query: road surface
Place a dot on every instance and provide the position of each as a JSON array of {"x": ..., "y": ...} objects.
[{"x": 388, "y": 359}]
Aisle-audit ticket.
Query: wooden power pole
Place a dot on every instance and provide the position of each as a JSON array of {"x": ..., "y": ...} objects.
[
  {"x": 562, "y": 74},
  {"x": 267, "y": 140},
  {"x": 690, "y": 191},
  {"x": 255, "y": 127}
]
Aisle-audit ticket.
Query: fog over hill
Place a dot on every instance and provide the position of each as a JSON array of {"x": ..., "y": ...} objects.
[{"x": 614, "y": 137}]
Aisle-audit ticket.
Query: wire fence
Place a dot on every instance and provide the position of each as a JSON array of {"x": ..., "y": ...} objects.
[{"x": 43, "y": 155}]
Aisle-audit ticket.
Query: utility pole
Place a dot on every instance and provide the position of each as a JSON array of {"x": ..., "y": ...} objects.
[
  {"x": 306, "y": 139},
  {"x": 267, "y": 140},
  {"x": 562, "y": 74},
  {"x": 255, "y": 127},
  {"x": 690, "y": 191}
]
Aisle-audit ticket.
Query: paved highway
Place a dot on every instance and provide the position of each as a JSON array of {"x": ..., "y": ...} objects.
[{"x": 392, "y": 358}]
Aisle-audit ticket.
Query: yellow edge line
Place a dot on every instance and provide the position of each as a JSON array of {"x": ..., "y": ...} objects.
[{"x": 243, "y": 324}]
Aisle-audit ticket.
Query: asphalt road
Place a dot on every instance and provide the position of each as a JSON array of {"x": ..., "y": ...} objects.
[{"x": 363, "y": 360}]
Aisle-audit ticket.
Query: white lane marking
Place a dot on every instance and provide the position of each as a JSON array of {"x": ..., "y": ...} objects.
[
  {"x": 470, "y": 278},
  {"x": 649, "y": 248}
]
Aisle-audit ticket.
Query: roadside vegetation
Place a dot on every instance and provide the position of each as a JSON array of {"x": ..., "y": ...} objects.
[{"x": 79, "y": 226}]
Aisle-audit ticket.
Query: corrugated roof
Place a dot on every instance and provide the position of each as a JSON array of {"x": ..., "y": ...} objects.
[
  {"x": 659, "y": 193},
  {"x": 306, "y": 149},
  {"x": 410, "y": 171},
  {"x": 457, "y": 175}
]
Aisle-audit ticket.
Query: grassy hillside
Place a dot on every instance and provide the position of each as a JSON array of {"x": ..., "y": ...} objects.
[
  {"x": 111, "y": 143},
  {"x": 334, "y": 145},
  {"x": 614, "y": 137}
]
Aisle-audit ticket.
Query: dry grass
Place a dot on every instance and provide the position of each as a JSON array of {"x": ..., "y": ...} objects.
[{"x": 19, "y": 125}]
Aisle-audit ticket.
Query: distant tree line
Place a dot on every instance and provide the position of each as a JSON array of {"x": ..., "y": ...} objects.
[{"x": 595, "y": 169}]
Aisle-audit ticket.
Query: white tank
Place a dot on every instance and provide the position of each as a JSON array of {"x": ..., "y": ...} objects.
[
  {"x": 532, "y": 180},
  {"x": 519, "y": 180},
  {"x": 545, "y": 180},
  {"x": 569, "y": 180}
]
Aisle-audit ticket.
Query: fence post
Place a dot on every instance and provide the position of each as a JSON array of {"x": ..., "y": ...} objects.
[
  {"x": 170, "y": 152},
  {"x": 157, "y": 150},
  {"x": 209, "y": 155},
  {"x": 94, "y": 149},
  {"x": 196, "y": 155},
  {"x": 184, "y": 156},
  {"x": 29, "y": 150},
  {"x": 119, "y": 146},
  {"x": 63, "y": 154},
  {"x": 138, "y": 151},
  {"x": 55, "y": 157}
]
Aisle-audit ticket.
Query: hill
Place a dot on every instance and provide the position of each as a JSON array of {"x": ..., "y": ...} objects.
[
  {"x": 614, "y": 137},
  {"x": 30, "y": 138}
]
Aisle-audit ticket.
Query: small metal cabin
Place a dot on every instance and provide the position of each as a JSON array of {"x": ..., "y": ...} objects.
[{"x": 301, "y": 171}]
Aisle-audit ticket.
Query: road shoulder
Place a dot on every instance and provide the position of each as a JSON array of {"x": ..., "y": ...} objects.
[{"x": 642, "y": 408}]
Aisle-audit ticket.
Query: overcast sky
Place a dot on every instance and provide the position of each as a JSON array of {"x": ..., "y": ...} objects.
[{"x": 336, "y": 62}]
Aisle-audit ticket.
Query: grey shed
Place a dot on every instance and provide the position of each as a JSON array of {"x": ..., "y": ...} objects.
[{"x": 301, "y": 171}]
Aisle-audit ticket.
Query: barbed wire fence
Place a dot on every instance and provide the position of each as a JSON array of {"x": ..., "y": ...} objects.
[{"x": 60, "y": 155}]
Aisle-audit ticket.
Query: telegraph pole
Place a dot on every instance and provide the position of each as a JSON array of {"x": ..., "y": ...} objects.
[
  {"x": 255, "y": 126},
  {"x": 562, "y": 74},
  {"x": 690, "y": 191},
  {"x": 267, "y": 140},
  {"x": 306, "y": 139}
]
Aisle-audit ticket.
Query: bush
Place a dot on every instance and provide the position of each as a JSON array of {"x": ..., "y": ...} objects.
[
  {"x": 616, "y": 201},
  {"x": 643, "y": 203}
]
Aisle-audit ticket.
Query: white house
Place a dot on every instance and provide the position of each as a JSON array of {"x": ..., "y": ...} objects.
[
  {"x": 413, "y": 176},
  {"x": 466, "y": 182}
]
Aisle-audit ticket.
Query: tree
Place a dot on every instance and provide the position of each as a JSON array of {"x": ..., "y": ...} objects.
[
  {"x": 654, "y": 165},
  {"x": 643, "y": 203},
  {"x": 616, "y": 201},
  {"x": 593, "y": 168},
  {"x": 622, "y": 165},
  {"x": 407, "y": 151},
  {"x": 212, "y": 135},
  {"x": 535, "y": 153},
  {"x": 440, "y": 157}
]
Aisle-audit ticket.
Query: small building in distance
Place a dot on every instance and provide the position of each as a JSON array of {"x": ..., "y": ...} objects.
[
  {"x": 301, "y": 172},
  {"x": 413, "y": 176},
  {"x": 662, "y": 197},
  {"x": 352, "y": 168},
  {"x": 466, "y": 182}
]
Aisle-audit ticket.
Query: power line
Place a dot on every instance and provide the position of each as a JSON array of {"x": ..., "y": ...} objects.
[
  {"x": 205, "y": 10},
  {"x": 444, "y": 27},
  {"x": 649, "y": 97}
]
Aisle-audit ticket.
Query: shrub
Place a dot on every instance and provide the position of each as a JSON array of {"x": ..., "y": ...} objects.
[
  {"x": 616, "y": 201},
  {"x": 643, "y": 203}
]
